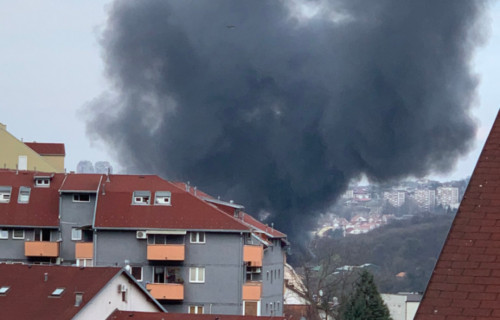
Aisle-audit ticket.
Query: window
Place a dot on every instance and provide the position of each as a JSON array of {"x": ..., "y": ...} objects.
[
  {"x": 137, "y": 273},
  {"x": 23, "y": 163},
  {"x": 4, "y": 234},
  {"x": 162, "y": 198},
  {"x": 141, "y": 197},
  {"x": 42, "y": 182},
  {"x": 42, "y": 235},
  {"x": 196, "y": 309},
  {"x": 167, "y": 275},
  {"x": 84, "y": 262},
  {"x": 197, "y": 237},
  {"x": 197, "y": 275},
  {"x": 18, "y": 234},
  {"x": 58, "y": 292},
  {"x": 3, "y": 290},
  {"x": 76, "y": 234},
  {"x": 24, "y": 195},
  {"x": 81, "y": 198},
  {"x": 157, "y": 239}
]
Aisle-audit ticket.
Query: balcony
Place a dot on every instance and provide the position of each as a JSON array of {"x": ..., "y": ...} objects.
[
  {"x": 166, "y": 252},
  {"x": 253, "y": 255},
  {"x": 252, "y": 291},
  {"x": 41, "y": 249},
  {"x": 166, "y": 291},
  {"x": 84, "y": 250}
]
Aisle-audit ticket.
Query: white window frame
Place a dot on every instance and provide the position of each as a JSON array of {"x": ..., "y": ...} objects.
[
  {"x": 75, "y": 195},
  {"x": 142, "y": 273},
  {"x": 22, "y": 193},
  {"x": 2, "y": 194},
  {"x": 14, "y": 234},
  {"x": 197, "y": 309},
  {"x": 40, "y": 182},
  {"x": 76, "y": 238},
  {"x": 197, "y": 274},
  {"x": 85, "y": 262},
  {"x": 197, "y": 237},
  {"x": 2, "y": 231}
]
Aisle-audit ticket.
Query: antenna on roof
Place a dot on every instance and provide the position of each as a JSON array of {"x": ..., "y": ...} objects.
[
  {"x": 195, "y": 190},
  {"x": 188, "y": 186},
  {"x": 107, "y": 175}
]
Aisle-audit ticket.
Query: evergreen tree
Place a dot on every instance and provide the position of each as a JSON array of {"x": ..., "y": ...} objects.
[{"x": 366, "y": 303}]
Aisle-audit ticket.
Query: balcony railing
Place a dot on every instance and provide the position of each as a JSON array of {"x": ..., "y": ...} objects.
[
  {"x": 252, "y": 291},
  {"x": 41, "y": 249},
  {"x": 253, "y": 255},
  {"x": 84, "y": 250},
  {"x": 166, "y": 291},
  {"x": 170, "y": 252}
]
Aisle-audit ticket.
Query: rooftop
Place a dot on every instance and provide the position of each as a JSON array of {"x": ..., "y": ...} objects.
[
  {"x": 127, "y": 315},
  {"x": 47, "y": 149}
]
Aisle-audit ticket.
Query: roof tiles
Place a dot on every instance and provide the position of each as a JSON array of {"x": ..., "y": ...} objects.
[
  {"x": 46, "y": 149},
  {"x": 465, "y": 283},
  {"x": 126, "y": 315}
]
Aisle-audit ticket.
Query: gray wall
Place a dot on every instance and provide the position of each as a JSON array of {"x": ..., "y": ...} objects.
[
  {"x": 73, "y": 214},
  {"x": 221, "y": 255},
  {"x": 13, "y": 249},
  {"x": 272, "y": 290}
]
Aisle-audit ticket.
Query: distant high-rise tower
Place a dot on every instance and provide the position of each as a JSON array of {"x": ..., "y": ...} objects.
[
  {"x": 85, "y": 166},
  {"x": 102, "y": 167}
]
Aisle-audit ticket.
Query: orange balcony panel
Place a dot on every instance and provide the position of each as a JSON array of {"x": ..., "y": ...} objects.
[
  {"x": 41, "y": 249},
  {"x": 252, "y": 291},
  {"x": 253, "y": 255},
  {"x": 166, "y": 291},
  {"x": 172, "y": 252},
  {"x": 84, "y": 250}
]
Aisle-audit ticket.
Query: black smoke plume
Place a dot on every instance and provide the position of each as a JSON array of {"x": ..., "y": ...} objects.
[{"x": 279, "y": 104}]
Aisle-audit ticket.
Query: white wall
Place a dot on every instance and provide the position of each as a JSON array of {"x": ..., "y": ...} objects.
[
  {"x": 396, "y": 304},
  {"x": 109, "y": 299},
  {"x": 411, "y": 310}
]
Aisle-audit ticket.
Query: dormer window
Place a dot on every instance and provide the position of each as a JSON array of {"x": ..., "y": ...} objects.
[
  {"x": 141, "y": 197},
  {"x": 5, "y": 194},
  {"x": 24, "y": 195},
  {"x": 163, "y": 198},
  {"x": 58, "y": 292},
  {"x": 42, "y": 182}
]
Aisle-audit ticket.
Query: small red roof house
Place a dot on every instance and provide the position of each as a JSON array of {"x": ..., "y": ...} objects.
[
  {"x": 465, "y": 284},
  {"x": 127, "y": 315},
  {"x": 30, "y": 292}
]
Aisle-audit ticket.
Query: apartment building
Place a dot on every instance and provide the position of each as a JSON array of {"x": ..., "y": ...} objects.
[
  {"x": 195, "y": 254},
  {"x": 396, "y": 197},
  {"x": 16, "y": 154},
  {"x": 447, "y": 196},
  {"x": 425, "y": 199}
]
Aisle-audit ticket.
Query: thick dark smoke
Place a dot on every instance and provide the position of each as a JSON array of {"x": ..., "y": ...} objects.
[{"x": 280, "y": 112}]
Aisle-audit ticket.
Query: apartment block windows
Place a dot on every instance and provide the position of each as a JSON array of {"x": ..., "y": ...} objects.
[
  {"x": 18, "y": 234},
  {"x": 76, "y": 234},
  {"x": 141, "y": 197},
  {"x": 196, "y": 309},
  {"x": 5, "y": 194},
  {"x": 81, "y": 198},
  {"x": 136, "y": 273},
  {"x": 42, "y": 182},
  {"x": 42, "y": 235},
  {"x": 4, "y": 234},
  {"x": 163, "y": 198},
  {"x": 165, "y": 239},
  {"x": 197, "y": 237},
  {"x": 167, "y": 275},
  {"x": 197, "y": 275},
  {"x": 84, "y": 262},
  {"x": 24, "y": 195}
]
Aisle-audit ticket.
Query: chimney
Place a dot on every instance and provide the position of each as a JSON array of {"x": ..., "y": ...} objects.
[
  {"x": 46, "y": 277},
  {"x": 78, "y": 299},
  {"x": 195, "y": 190},
  {"x": 107, "y": 175},
  {"x": 103, "y": 189},
  {"x": 17, "y": 171},
  {"x": 188, "y": 186},
  {"x": 231, "y": 201},
  {"x": 3, "y": 126}
]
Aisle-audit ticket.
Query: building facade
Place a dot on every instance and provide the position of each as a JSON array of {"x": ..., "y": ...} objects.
[
  {"x": 85, "y": 166},
  {"x": 193, "y": 253},
  {"x": 395, "y": 198},
  {"x": 447, "y": 196},
  {"x": 425, "y": 199}
]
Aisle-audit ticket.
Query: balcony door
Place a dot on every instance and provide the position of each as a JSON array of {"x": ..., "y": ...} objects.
[{"x": 42, "y": 235}]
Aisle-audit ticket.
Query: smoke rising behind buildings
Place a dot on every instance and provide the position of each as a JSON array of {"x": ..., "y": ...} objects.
[{"x": 280, "y": 112}]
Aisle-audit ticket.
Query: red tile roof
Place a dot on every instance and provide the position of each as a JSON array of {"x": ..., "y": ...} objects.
[
  {"x": 465, "y": 283},
  {"x": 28, "y": 296},
  {"x": 260, "y": 226},
  {"x": 192, "y": 189},
  {"x": 81, "y": 182},
  {"x": 46, "y": 149},
  {"x": 127, "y": 315},
  {"x": 187, "y": 212},
  {"x": 42, "y": 210}
]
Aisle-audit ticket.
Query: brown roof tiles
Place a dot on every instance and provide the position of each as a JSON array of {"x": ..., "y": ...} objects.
[{"x": 47, "y": 149}]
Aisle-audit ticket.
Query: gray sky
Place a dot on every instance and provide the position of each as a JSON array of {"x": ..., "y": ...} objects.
[{"x": 50, "y": 66}]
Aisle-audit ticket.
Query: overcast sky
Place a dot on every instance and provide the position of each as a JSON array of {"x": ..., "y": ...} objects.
[{"x": 50, "y": 66}]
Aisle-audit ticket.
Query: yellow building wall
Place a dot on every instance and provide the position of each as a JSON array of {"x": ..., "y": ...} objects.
[
  {"x": 56, "y": 161},
  {"x": 11, "y": 148}
]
